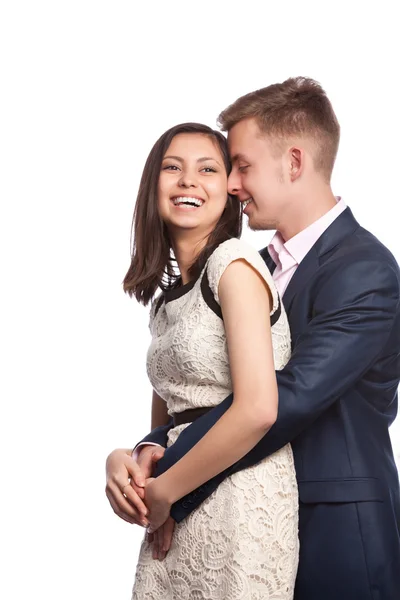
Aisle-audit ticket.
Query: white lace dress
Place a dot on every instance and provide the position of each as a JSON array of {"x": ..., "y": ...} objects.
[{"x": 242, "y": 542}]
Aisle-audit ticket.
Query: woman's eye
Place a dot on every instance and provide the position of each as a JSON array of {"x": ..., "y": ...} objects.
[
  {"x": 170, "y": 168},
  {"x": 209, "y": 170},
  {"x": 243, "y": 168}
]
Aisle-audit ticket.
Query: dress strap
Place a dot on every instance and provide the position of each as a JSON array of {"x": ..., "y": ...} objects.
[
  {"x": 159, "y": 303},
  {"x": 209, "y": 296}
]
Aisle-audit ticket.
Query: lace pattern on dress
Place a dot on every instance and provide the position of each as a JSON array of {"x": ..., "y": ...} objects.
[{"x": 241, "y": 543}]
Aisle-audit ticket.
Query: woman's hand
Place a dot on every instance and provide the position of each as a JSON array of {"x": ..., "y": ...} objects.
[
  {"x": 157, "y": 503},
  {"x": 125, "y": 482}
]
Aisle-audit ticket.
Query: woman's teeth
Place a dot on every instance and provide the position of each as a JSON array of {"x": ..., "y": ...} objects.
[{"x": 189, "y": 201}]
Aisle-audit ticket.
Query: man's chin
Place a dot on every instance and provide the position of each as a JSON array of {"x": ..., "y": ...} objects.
[{"x": 255, "y": 225}]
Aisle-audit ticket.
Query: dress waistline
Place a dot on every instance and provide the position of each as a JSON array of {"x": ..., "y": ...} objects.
[{"x": 190, "y": 415}]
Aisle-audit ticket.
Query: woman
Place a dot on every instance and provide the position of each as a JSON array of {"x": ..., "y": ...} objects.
[{"x": 218, "y": 326}]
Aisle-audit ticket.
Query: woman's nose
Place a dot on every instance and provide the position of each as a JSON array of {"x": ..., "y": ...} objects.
[{"x": 187, "y": 180}]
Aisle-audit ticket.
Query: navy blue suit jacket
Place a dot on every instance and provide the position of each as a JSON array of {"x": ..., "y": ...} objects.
[{"x": 337, "y": 398}]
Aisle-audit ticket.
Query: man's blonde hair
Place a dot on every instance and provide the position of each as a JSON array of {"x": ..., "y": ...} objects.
[{"x": 297, "y": 107}]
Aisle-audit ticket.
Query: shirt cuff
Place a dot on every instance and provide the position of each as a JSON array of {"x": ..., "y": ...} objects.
[{"x": 136, "y": 451}]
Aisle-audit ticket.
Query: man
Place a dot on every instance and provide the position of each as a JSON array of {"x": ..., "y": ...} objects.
[{"x": 338, "y": 393}]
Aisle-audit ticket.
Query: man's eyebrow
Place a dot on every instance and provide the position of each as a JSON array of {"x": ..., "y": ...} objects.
[{"x": 237, "y": 157}]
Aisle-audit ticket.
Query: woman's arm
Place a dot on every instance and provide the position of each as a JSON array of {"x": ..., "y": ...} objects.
[
  {"x": 245, "y": 303},
  {"x": 159, "y": 414}
]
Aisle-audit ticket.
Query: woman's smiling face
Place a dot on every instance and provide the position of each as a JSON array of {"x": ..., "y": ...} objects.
[{"x": 192, "y": 186}]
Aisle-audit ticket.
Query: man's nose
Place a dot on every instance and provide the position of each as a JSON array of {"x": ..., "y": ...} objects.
[{"x": 234, "y": 183}]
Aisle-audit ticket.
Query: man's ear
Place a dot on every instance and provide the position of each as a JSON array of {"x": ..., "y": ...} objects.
[{"x": 296, "y": 162}]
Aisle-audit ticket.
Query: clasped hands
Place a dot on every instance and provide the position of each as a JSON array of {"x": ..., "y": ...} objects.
[{"x": 136, "y": 498}]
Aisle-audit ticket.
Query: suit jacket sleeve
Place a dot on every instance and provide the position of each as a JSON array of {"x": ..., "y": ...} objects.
[
  {"x": 353, "y": 312},
  {"x": 157, "y": 436}
]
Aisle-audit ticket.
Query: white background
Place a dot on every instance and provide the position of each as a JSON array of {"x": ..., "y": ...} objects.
[{"x": 86, "y": 89}]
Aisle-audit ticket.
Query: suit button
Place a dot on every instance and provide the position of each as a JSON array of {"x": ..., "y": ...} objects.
[{"x": 185, "y": 504}]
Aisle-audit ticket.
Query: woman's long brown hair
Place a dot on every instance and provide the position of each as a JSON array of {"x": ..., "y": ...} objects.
[{"x": 152, "y": 263}]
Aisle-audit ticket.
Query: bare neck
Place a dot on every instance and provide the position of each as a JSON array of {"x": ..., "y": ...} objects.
[
  {"x": 306, "y": 209},
  {"x": 186, "y": 247}
]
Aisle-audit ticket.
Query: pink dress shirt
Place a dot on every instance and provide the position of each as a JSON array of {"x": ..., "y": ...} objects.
[{"x": 287, "y": 256}]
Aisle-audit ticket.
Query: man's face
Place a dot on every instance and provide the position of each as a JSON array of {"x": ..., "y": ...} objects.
[{"x": 257, "y": 175}]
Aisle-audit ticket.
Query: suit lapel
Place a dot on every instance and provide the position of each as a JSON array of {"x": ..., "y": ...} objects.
[
  {"x": 304, "y": 271},
  {"x": 340, "y": 229},
  {"x": 343, "y": 226}
]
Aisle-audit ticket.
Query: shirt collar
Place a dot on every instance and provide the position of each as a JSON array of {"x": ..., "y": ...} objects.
[{"x": 299, "y": 245}]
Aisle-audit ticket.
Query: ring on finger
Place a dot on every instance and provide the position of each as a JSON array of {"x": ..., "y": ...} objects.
[{"x": 125, "y": 486}]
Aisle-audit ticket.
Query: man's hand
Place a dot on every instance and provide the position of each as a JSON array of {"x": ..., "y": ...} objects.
[{"x": 126, "y": 479}]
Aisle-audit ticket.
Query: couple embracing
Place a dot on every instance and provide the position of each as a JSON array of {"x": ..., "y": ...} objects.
[{"x": 269, "y": 472}]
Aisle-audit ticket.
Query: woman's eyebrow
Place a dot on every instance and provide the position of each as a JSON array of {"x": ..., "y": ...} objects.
[
  {"x": 205, "y": 158},
  {"x": 174, "y": 158},
  {"x": 202, "y": 159}
]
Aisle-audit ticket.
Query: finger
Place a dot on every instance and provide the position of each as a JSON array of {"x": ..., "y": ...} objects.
[
  {"x": 155, "y": 545},
  {"x": 119, "y": 512},
  {"x": 154, "y": 524},
  {"x": 122, "y": 515},
  {"x": 169, "y": 527},
  {"x": 135, "y": 471},
  {"x": 120, "y": 504},
  {"x": 147, "y": 457},
  {"x": 150, "y": 537},
  {"x": 155, "y": 457},
  {"x": 157, "y": 454},
  {"x": 138, "y": 490},
  {"x": 135, "y": 501},
  {"x": 160, "y": 536},
  {"x": 161, "y": 552}
]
